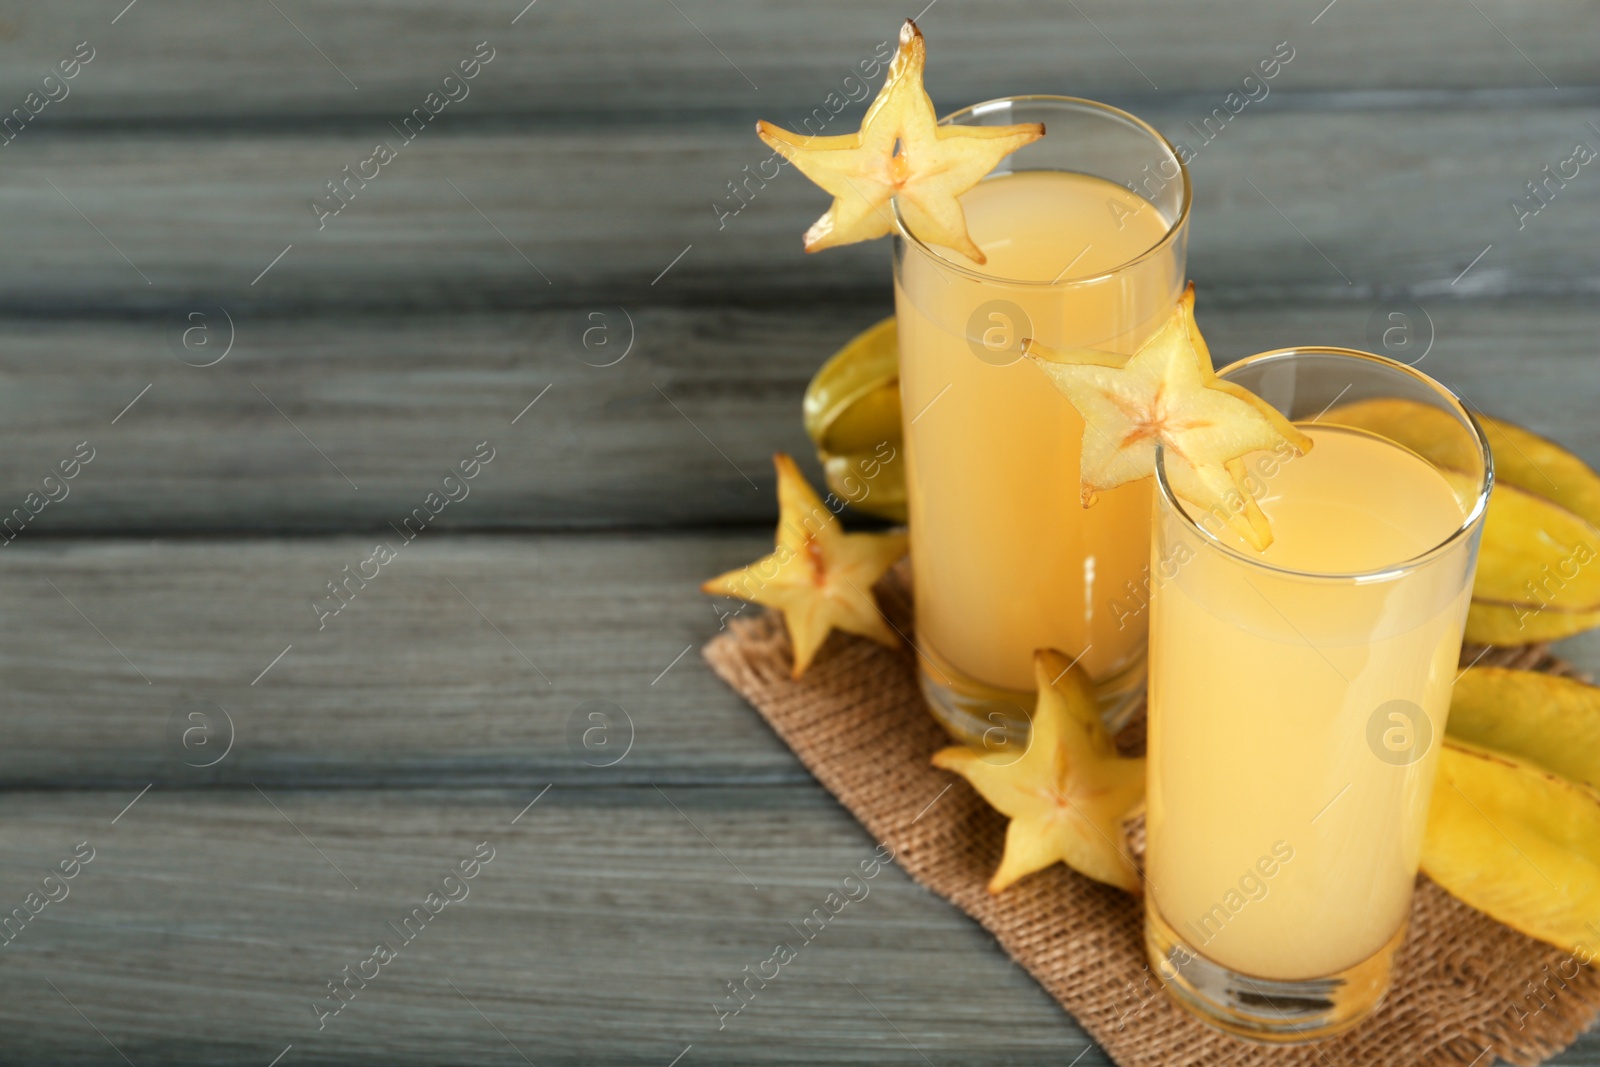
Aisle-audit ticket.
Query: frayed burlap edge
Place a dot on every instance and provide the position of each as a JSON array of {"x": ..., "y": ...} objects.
[{"x": 1466, "y": 987}]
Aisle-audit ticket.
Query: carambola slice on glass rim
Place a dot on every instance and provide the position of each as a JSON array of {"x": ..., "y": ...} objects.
[{"x": 900, "y": 154}]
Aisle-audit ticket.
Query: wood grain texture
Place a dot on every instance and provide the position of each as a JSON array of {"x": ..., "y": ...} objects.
[
  {"x": 467, "y": 661},
  {"x": 371, "y": 355},
  {"x": 603, "y": 930},
  {"x": 179, "y": 60},
  {"x": 607, "y": 923},
  {"x": 1342, "y": 205},
  {"x": 668, "y": 436},
  {"x": 464, "y": 662}
]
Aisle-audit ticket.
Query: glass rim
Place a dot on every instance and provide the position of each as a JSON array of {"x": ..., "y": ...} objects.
[
  {"x": 1388, "y": 572},
  {"x": 1106, "y": 110}
]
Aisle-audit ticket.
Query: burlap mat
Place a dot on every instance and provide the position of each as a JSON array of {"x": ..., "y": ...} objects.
[{"x": 1467, "y": 989}]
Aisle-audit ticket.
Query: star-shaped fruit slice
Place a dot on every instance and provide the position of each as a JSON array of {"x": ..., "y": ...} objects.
[
  {"x": 820, "y": 577},
  {"x": 933, "y": 165},
  {"x": 1167, "y": 393},
  {"x": 1067, "y": 794}
]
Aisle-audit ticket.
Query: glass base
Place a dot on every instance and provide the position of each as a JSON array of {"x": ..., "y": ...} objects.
[
  {"x": 993, "y": 719},
  {"x": 1267, "y": 1010}
]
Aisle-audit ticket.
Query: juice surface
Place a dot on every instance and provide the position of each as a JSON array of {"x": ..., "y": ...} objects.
[
  {"x": 1295, "y": 724},
  {"x": 1008, "y": 560}
]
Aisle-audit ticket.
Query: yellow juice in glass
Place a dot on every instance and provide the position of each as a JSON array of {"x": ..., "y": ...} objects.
[
  {"x": 1007, "y": 560},
  {"x": 1295, "y": 724}
]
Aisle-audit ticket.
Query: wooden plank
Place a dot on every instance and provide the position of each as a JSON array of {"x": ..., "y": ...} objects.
[
  {"x": 465, "y": 661},
  {"x": 265, "y": 439},
  {"x": 181, "y": 60},
  {"x": 1343, "y": 205},
  {"x": 206, "y": 926},
  {"x": 395, "y": 402},
  {"x": 603, "y": 929}
]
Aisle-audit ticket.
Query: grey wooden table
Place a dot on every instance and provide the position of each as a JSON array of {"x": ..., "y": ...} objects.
[{"x": 270, "y": 378}]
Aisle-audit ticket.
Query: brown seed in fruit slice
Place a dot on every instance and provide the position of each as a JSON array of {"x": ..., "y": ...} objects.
[
  {"x": 1067, "y": 794},
  {"x": 820, "y": 577},
  {"x": 1547, "y": 720},
  {"x": 1168, "y": 393},
  {"x": 902, "y": 154},
  {"x": 1517, "y": 843}
]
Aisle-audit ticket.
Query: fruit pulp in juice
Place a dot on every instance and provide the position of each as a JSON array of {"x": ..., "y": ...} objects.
[
  {"x": 1007, "y": 559},
  {"x": 1295, "y": 724}
]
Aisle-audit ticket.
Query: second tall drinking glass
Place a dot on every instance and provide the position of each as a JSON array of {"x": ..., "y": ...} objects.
[
  {"x": 1298, "y": 698},
  {"x": 1085, "y": 233}
]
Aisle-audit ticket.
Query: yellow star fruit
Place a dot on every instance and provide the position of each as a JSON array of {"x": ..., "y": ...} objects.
[
  {"x": 900, "y": 153},
  {"x": 820, "y": 577},
  {"x": 852, "y": 414},
  {"x": 1535, "y": 581},
  {"x": 1067, "y": 794},
  {"x": 1546, "y": 720},
  {"x": 1167, "y": 393},
  {"x": 1518, "y": 843}
]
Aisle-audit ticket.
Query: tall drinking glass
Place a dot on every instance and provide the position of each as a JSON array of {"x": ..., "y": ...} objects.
[
  {"x": 1298, "y": 699},
  {"x": 1085, "y": 233}
]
